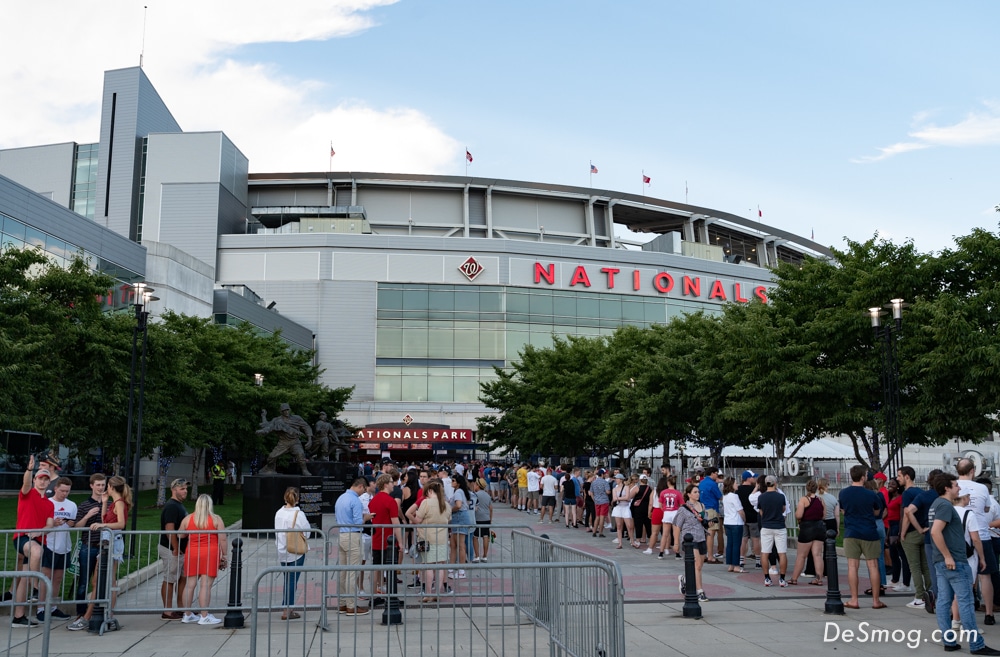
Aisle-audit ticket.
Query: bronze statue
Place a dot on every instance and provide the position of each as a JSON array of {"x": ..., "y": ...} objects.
[
  {"x": 328, "y": 435},
  {"x": 318, "y": 447},
  {"x": 290, "y": 429}
]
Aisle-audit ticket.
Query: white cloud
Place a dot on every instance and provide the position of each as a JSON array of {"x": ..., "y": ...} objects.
[
  {"x": 191, "y": 57},
  {"x": 978, "y": 128}
]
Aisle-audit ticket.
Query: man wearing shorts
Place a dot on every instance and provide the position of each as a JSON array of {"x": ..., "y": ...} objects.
[
  {"x": 548, "y": 485},
  {"x": 751, "y": 527},
  {"x": 599, "y": 490},
  {"x": 980, "y": 501},
  {"x": 771, "y": 509},
  {"x": 171, "y": 549},
  {"x": 711, "y": 497},
  {"x": 34, "y": 514},
  {"x": 534, "y": 490},
  {"x": 862, "y": 509},
  {"x": 522, "y": 487},
  {"x": 58, "y": 545}
]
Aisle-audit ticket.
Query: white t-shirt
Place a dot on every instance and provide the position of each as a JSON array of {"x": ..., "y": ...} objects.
[
  {"x": 731, "y": 507},
  {"x": 59, "y": 539},
  {"x": 979, "y": 500},
  {"x": 460, "y": 469},
  {"x": 533, "y": 479},
  {"x": 548, "y": 484}
]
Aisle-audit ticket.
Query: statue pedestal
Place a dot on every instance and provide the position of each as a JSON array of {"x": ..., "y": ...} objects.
[{"x": 263, "y": 495}]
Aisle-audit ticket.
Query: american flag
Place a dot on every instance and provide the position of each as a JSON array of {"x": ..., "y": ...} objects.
[
  {"x": 593, "y": 169},
  {"x": 645, "y": 179},
  {"x": 332, "y": 152},
  {"x": 468, "y": 155}
]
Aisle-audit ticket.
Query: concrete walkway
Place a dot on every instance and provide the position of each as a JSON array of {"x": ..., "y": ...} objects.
[{"x": 741, "y": 618}]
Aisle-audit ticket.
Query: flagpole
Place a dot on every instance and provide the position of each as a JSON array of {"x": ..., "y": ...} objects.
[
  {"x": 642, "y": 181},
  {"x": 330, "y": 166},
  {"x": 685, "y": 192},
  {"x": 591, "y": 174},
  {"x": 466, "y": 161}
]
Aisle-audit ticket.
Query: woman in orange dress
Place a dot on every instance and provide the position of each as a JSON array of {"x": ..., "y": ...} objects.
[{"x": 202, "y": 559}]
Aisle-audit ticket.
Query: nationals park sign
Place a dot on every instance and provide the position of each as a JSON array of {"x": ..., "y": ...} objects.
[{"x": 644, "y": 281}]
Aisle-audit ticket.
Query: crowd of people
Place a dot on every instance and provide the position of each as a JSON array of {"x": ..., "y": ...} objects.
[{"x": 939, "y": 543}]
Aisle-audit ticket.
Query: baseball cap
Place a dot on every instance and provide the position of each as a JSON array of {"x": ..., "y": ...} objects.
[
  {"x": 179, "y": 483},
  {"x": 445, "y": 469},
  {"x": 644, "y": 477},
  {"x": 602, "y": 471},
  {"x": 771, "y": 480},
  {"x": 748, "y": 474},
  {"x": 880, "y": 476},
  {"x": 42, "y": 472},
  {"x": 619, "y": 476}
]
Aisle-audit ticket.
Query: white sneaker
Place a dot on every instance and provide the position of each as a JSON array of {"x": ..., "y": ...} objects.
[
  {"x": 916, "y": 604},
  {"x": 460, "y": 575},
  {"x": 900, "y": 588},
  {"x": 719, "y": 556},
  {"x": 209, "y": 620},
  {"x": 648, "y": 551},
  {"x": 607, "y": 526},
  {"x": 680, "y": 584},
  {"x": 773, "y": 570},
  {"x": 475, "y": 560},
  {"x": 364, "y": 594},
  {"x": 483, "y": 560},
  {"x": 615, "y": 541},
  {"x": 190, "y": 618}
]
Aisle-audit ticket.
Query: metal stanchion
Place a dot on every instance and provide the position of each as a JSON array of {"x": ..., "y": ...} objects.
[
  {"x": 234, "y": 617},
  {"x": 391, "y": 614},
  {"x": 692, "y": 608},
  {"x": 100, "y": 620},
  {"x": 834, "y": 605}
]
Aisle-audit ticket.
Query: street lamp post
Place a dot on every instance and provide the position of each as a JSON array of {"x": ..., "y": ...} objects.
[
  {"x": 143, "y": 296},
  {"x": 889, "y": 335}
]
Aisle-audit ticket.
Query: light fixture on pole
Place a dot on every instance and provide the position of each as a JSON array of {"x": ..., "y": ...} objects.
[
  {"x": 143, "y": 296},
  {"x": 889, "y": 334},
  {"x": 258, "y": 380}
]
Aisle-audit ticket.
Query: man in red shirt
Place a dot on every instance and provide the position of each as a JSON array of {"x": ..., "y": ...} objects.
[
  {"x": 385, "y": 511},
  {"x": 35, "y": 513}
]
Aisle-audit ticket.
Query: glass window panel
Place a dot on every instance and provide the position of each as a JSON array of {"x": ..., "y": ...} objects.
[
  {"x": 655, "y": 311},
  {"x": 390, "y": 299},
  {"x": 564, "y": 306},
  {"x": 466, "y": 344},
  {"x": 540, "y": 306},
  {"x": 34, "y": 237},
  {"x": 588, "y": 331},
  {"x": 441, "y": 371},
  {"x": 440, "y": 343},
  {"x": 414, "y": 343},
  {"x": 388, "y": 388},
  {"x": 466, "y": 389},
  {"x": 611, "y": 307},
  {"x": 517, "y": 303},
  {"x": 14, "y": 228},
  {"x": 490, "y": 302},
  {"x": 389, "y": 343},
  {"x": 388, "y": 370},
  {"x": 515, "y": 344},
  {"x": 12, "y": 243},
  {"x": 440, "y": 388},
  {"x": 588, "y": 305},
  {"x": 491, "y": 345},
  {"x": 414, "y": 388},
  {"x": 441, "y": 299},
  {"x": 415, "y": 299},
  {"x": 541, "y": 340},
  {"x": 467, "y": 300},
  {"x": 632, "y": 310}
]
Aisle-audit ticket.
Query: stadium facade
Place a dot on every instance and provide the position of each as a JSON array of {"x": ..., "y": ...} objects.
[{"x": 411, "y": 288}]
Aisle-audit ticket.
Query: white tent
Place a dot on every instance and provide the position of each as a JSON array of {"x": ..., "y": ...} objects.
[{"x": 821, "y": 448}]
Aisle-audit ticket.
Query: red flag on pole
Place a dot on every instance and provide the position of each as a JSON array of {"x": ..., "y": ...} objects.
[
  {"x": 645, "y": 179},
  {"x": 468, "y": 155},
  {"x": 332, "y": 152},
  {"x": 759, "y": 213}
]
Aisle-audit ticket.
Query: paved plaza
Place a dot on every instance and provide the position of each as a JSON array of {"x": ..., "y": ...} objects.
[{"x": 742, "y": 617}]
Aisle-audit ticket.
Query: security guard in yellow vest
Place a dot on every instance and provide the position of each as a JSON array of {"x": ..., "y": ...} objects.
[{"x": 218, "y": 483}]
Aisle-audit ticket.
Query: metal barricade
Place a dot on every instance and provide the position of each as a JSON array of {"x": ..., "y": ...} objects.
[
  {"x": 138, "y": 585},
  {"x": 28, "y": 637},
  {"x": 584, "y": 615},
  {"x": 471, "y": 617}
]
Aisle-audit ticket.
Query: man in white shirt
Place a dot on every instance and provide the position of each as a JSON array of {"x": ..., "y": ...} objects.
[
  {"x": 548, "y": 484},
  {"x": 979, "y": 502},
  {"x": 443, "y": 476},
  {"x": 534, "y": 480},
  {"x": 58, "y": 545}
]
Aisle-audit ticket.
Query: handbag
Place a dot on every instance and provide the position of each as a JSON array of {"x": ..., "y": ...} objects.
[
  {"x": 423, "y": 546},
  {"x": 295, "y": 542}
]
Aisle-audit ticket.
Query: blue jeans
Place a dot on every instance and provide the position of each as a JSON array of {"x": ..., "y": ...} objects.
[
  {"x": 88, "y": 563},
  {"x": 734, "y": 537},
  {"x": 291, "y": 581},
  {"x": 952, "y": 584},
  {"x": 929, "y": 551},
  {"x": 880, "y": 526}
]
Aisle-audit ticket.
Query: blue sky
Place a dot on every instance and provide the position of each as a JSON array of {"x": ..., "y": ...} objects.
[{"x": 841, "y": 119}]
